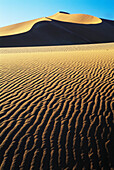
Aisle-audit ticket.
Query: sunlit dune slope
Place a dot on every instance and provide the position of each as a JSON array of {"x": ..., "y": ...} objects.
[
  {"x": 20, "y": 27},
  {"x": 76, "y": 18},
  {"x": 26, "y": 26},
  {"x": 59, "y": 29}
]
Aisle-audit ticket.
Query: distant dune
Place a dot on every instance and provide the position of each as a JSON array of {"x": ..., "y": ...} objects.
[
  {"x": 59, "y": 29},
  {"x": 57, "y": 108}
]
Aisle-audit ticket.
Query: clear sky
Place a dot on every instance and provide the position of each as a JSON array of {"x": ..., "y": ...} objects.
[{"x": 14, "y": 11}]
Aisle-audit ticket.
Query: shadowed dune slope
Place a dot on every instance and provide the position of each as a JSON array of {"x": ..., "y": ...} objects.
[
  {"x": 59, "y": 29},
  {"x": 56, "y": 108}
]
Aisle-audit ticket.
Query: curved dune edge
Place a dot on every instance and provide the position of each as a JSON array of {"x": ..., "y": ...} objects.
[
  {"x": 76, "y": 18},
  {"x": 20, "y": 27},
  {"x": 57, "y": 110},
  {"x": 64, "y": 17}
]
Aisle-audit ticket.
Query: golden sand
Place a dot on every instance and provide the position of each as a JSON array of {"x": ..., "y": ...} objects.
[
  {"x": 76, "y": 18},
  {"x": 26, "y": 26},
  {"x": 57, "y": 107},
  {"x": 20, "y": 27}
]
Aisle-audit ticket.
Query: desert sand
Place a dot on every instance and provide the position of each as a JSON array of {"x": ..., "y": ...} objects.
[
  {"x": 58, "y": 29},
  {"x": 56, "y": 94},
  {"x": 57, "y": 107}
]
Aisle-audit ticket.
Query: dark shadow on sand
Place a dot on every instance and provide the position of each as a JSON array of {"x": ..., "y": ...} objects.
[{"x": 52, "y": 33}]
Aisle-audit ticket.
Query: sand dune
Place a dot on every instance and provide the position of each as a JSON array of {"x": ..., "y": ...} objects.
[
  {"x": 76, "y": 18},
  {"x": 20, "y": 27},
  {"x": 57, "y": 107},
  {"x": 58, "y": 29}
]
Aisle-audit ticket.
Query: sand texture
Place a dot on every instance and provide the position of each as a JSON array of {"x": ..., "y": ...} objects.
[
  {"x": 56, "y": 108},
  {"x": 58, "y": 29}
]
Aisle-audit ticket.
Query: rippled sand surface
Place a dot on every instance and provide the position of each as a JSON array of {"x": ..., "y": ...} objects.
[{"x": 56, "y": 107}]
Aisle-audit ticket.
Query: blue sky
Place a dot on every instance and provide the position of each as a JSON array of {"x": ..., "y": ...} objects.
[{"x": 14, "y": 11}]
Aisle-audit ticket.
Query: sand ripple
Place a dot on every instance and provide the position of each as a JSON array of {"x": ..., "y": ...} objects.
[{"x": 56, "y": 110}]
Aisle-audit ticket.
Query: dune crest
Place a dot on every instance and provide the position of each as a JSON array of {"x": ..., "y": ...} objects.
[
  {"x": 20, "y": 27},
  {"x": 60, "y": 16},
  {"x": 76, "y": 18}
]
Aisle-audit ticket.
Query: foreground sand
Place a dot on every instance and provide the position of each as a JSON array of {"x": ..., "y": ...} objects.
[{"x": 57, "y": 107}]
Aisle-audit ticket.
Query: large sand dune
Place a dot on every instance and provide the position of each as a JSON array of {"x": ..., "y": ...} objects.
[
  {"x": 58, "y": 29},
  {"x": 57, "y": 107}
]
